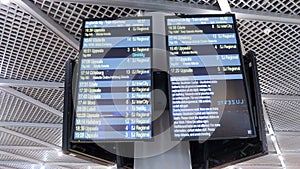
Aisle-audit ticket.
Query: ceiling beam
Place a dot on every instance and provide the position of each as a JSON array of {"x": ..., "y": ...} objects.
[
  {"x": 28, "y": 6},
  {"x": 24, "y": 148},
  {"x": 26, "y": 124},
  {"x": 59, "y": 164},
  {"x": 31, "y": 100},
  {"x": 152, "y": 5},
  {"x": 224, "y": 6},
  {"x": 20, "y": 157},
  {"x": 2, "y": 129},
  {"x": 29, "y": 83},
  {"x": 288, "y": 133},
  {"x": 280, "y": 97},
  {"x": 265, "y": 16},
  {"x": 186, "y": 8},
  {"x": 273, "y": 136},
  {"x": 76, "y": 164}
]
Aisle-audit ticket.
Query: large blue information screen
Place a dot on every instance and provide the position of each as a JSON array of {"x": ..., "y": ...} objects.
[
  {"x": 113, "y": 100},
  {"x": 207, "y": 89}
]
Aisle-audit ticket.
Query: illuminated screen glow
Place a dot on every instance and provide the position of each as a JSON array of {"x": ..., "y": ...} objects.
[
  {"x": 207, "y": 88},
  {"x": 115, "y": 81}
]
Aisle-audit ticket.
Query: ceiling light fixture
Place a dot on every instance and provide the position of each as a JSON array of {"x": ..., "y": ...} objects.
[
  {"x": 273, "y": 138},
  {"x": 267, "y": 31}
]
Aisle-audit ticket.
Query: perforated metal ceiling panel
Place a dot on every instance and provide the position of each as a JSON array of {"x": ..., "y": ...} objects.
[
  {"x": 70, "y": 15},
  {"x": 202, "y": 2},
  {"x": 12, "y": 140},
  {"x": 292, "y": 160},
  {"x": 278, "y": 54},
  {"x": 7, "y": 158},
  {"x": 284, "y": 115},
  {"x": 270, "y": 160},
  {"x": 29, "y": 51},
  {"x": 289, "y": 142},
  {"x": 49, "y": 135},
  {"x": 46, "y": 156},
  {"x": 290, "y": 7},
  {"x": 51, "y": 97},
  {"x": 32, "y": 51},
  {"x": 16, "y": 164},
  {"x": 26, "y": 165},
  {"x": 14, "y": 109}
]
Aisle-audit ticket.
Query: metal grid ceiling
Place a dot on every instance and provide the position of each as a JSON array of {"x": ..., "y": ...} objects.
[
  {"x": 15, "y": 109},
  {"x": 70, "y": 15},
  {"x": 284, "y": 115},
  {"x": 26, "y": 165},
  {"x": 273, "y": 69},
  {"x": 290, "y": 7},
  {"x": 30, "y": 51},
  {"x": 268, "y": 160},
  {"x": 7, "y": 158},
  {"x": 289, "y": 143},
  {"x": 45, "y": 155},
  {"x": 202, "y": 2},
  {"x": 51, "y": 97},
  {"x": 49, "y": 135},
  {"x": 12, "y": 140},
  {"x": 277, "y": 54}
]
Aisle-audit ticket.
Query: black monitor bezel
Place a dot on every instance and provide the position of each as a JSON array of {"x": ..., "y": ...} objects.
[
  {"x": 77, "y": 75},
  {"x": 245, "y": 81}
]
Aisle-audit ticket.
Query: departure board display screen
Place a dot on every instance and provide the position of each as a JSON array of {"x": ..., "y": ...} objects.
[
  {"x": 207, "y": 86},
  {"x": 113, "y": 100}
]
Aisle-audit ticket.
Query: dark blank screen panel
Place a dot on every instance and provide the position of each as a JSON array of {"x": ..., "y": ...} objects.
[
  {"x": 207, "y": 88},
  {"x": 114, "y": 87}
]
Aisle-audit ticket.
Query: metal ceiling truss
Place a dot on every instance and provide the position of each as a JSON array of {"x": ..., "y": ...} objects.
[
  {"x": 151, "y": 5},
  {"x": 31, "y": 160},
  {"x": 28, "y": 83},
  {"x": 51, "y": 97},
  {"x": 27, "y": 124},
  {"x": 31, "y": 100},
  {"x": 284, "y": 115},
  {"x": 20, "y": 157},
  {"x": 48, "y": 22},
  {"x": 30, "y": 50},
  {"x": 2, "y": 129},
  {"x": 280, "y": 97},
  {"x": 48, "y": 146},
  {"x": 24, "y": 148},
  {"x": 224, "y": 6}
]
